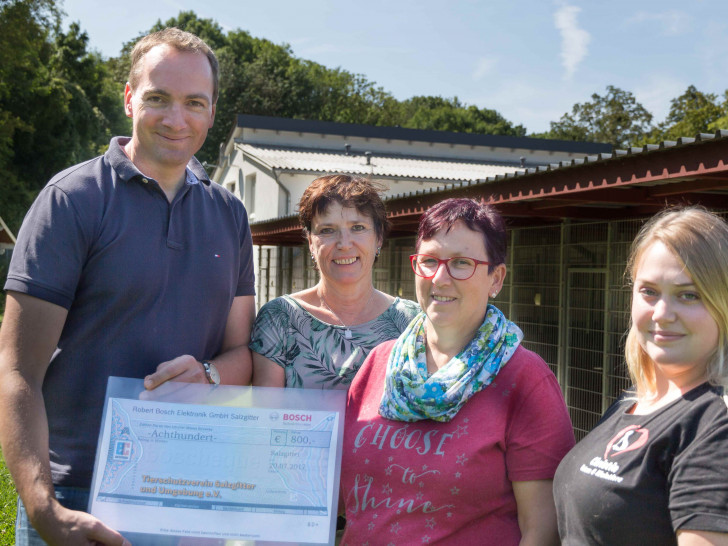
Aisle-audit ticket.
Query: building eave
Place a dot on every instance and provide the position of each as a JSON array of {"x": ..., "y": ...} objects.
[
  {"x": 247, "y": 121},
  {"x": 627, "y": 183}
]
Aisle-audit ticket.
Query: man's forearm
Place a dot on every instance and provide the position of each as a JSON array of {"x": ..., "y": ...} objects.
[
  {"x": 234, "y": 361},
  {"x": 24, "y": 440},
  {"x": 235, "y": 366},
  {"x": 28, "y": 336}
]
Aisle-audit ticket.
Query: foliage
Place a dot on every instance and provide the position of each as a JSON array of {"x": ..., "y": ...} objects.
[
  {"x": 4, "y": 266},
  {"x": 451, "y": 115},
  {"x": 263, "y": 78},
  {"x": 721, "y": 122},
  {"x": 616, "y": 118},
  {"x": 60, "y": 102},
  {"x": 58, "y": 105},
  {"x": 23, "y": 49},
  {"x": 8, "y": 498},
  {"x": 693, "y": 110},
  {"x": 619, "y": 119},
  {"x": 691, "y": 113}
]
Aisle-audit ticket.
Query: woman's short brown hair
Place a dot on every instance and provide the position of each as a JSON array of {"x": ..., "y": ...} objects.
[{"x": 349, "y": 191}]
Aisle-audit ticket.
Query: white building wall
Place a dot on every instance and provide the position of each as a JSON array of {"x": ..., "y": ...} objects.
[
  {"x": 277, "y": 193},
  {"x": 296, "y": 183},
  {"x": 228, "y": 175},
  {"x": 261, "y": 194},
  {"x": 256, "y": 187}
]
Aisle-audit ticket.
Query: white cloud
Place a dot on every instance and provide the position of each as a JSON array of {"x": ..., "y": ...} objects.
[
  {"x": 574, "y": 40},
  {"x": 483, "y": 67},
  {"x": 672, "y": 23}
]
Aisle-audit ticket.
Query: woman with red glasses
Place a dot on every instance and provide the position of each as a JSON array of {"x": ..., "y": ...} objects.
[{"x": 454, "y": 430}]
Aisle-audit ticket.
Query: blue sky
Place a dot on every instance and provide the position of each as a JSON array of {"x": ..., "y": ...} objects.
[{"x": 529, "y": 59}]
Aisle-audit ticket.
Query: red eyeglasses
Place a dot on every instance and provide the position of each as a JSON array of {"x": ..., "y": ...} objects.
[{"x": 460, "y": 268}]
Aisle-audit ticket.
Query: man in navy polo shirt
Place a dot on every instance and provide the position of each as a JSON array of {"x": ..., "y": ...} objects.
[{"x": 131, "y": 264}]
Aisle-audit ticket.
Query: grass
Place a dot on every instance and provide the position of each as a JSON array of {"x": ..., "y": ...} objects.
[{"x": 7, "y": 506}]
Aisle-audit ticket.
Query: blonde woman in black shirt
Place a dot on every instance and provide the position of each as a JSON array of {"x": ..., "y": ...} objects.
[{"x": 655, "y": 468}]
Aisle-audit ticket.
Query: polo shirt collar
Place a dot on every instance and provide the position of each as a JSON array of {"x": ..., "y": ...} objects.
[{"x": 123, "y": 166}]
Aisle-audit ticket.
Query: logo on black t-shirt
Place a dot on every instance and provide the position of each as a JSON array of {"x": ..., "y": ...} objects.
[
  {"x": 628, "y": 439},
  {"x": 606, "y": 468}
]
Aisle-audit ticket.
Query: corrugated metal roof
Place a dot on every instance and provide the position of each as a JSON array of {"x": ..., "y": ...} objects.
[
  {"x": 638, "y": 181},
  {"x": 591, "y": 159},
  {"x": 380, "y": 166}
]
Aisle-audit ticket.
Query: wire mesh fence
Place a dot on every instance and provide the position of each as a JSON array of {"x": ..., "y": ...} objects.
[{"x": 565, "y": 289}]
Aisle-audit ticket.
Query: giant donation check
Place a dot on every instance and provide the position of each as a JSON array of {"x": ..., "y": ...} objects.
[{"x": 233, "y": 463}]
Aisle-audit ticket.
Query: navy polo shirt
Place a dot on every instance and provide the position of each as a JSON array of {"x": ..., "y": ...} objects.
[{"x": 144, "y": 281}]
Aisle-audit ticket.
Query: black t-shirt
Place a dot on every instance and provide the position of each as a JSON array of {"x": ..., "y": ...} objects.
[{"x": 638, "y": 479}]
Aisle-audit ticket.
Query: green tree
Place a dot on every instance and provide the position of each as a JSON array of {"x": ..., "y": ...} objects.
[
  {"x": 99, "y": 96},
  {"x": 263, "y": 78},
  {"x": 24, "y": 53},
  {"x": 690, "y": 113},
  {"x": 207, "y": 29},
  {"x": 57, "y": 103},
  {"x": 722, "y": 121},
  {"x": 616, "y": 118},
  {"x": 60, "y": 103},
  {"x": 451, "y": 115}
]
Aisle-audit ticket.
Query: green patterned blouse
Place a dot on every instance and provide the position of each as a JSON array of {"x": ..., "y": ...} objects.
[{"x": 315, "y": 354}]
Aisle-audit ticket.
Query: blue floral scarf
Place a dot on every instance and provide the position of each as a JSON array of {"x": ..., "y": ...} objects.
[{"x": 411, "y": 394}]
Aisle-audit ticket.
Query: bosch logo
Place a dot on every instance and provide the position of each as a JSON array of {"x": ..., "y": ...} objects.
[{"x": 298, "y": 417}]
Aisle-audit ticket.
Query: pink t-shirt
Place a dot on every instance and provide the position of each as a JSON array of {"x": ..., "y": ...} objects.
[{"x": 450, "y": 483}]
